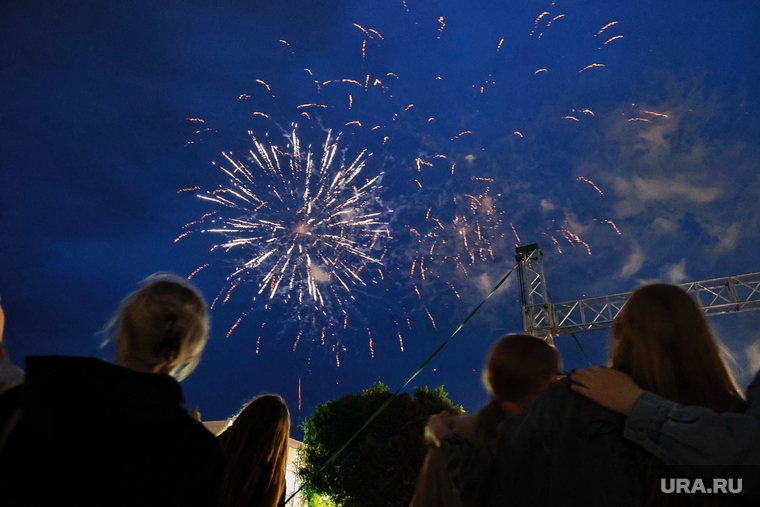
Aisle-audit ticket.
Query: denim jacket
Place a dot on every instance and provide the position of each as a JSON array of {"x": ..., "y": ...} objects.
[{"x": 685, "y": 437}]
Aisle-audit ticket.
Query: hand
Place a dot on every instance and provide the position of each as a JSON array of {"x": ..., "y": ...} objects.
[
  {"x": 438, "y": 426},
  {"x": 612, "y": 389},
  {"x": 196, "y": 414}
]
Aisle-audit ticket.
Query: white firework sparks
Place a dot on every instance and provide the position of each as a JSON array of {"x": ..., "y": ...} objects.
[{"x": 308, "y": 227}]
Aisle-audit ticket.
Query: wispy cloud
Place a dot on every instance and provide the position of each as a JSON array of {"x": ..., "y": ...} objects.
[
  {"x": 547, "y": 205},
  {"x": 675, "y": 193},
  {"x": 634, "y": 262},
  {"x": 662, "y": 189},
  {"x": 727, "y": 238},
  {"x": 675, "y": 186},
  {"x": 664, "y": 225},
  {"x": 676, "y": 273}
]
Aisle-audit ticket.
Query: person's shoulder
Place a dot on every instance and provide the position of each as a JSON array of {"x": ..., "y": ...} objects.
[
  {"x": 10, "y": 400},
  {"x": 12, "y": 395},
  {"x": 464, "y": 425},
  {"x": 68, "y": 362},
  {"x": 187, "y": 444},
  {"x": 198, "y": 429},
  {"x": 558, "y": 393},
  {"x": 559, "y": 405},
  {"x": 195, "y": 432}
]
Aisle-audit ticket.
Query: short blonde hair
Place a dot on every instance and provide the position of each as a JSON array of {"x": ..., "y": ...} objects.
[{"x": 166, "y": 323}]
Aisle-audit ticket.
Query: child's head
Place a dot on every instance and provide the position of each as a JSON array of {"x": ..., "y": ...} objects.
[
  {"x": 163, "y": 326},
  {"x": 519, "y": 367},
  {"x": 662, "y": 340}
]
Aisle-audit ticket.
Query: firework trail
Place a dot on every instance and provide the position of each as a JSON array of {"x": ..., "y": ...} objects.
[
  {"x": 304, "y": 226},
  {"x": 454, "y": 237}
]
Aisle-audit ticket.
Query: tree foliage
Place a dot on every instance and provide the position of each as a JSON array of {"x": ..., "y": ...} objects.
[{"x": 380, "y": 466}]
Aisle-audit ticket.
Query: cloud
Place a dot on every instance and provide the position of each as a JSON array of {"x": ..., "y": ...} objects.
[
  {"x": 727, "y": 238},
  {"x": 637, "y": 190},
  {"x": 634, "y": 263},
  {"x": 676, "y": 273},
  {"x": 547, "y": 205},
  {"x": 656, "y": 135},
  {"x": 485, "y": 283},
  {"x": 574, "y": 225},
  {"x": 663, "y": 189},
  {"x": 665, "y": 226},
  {"x": 674, "y": 187}
]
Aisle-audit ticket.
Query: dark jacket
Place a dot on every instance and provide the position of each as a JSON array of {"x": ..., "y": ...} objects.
[
  {"x": 84, "y": 432},
  {"x": 566, "y": 450}
]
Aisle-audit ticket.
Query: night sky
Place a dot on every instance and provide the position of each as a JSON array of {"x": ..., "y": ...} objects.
[{"x": 630, "y": 151}]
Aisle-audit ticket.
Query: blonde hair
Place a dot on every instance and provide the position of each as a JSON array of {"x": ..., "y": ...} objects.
[
  {"x": 165, "y": 324},
  {"x": 256, "y": 446}
]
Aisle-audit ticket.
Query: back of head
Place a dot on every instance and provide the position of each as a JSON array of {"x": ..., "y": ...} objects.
[
  {"x": 163, "y": 326},
  {"x": 256, "y": 446},
  {"x": 519, "y": 367},
  {"x": 662, "y": 340}
]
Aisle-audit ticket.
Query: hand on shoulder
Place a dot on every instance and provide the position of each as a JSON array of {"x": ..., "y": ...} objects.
[{"x": 612, "y": 389}]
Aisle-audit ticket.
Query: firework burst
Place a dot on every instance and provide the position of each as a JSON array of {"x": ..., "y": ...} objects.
[
  {"x": 308, "y": 235},
  {"x": 455, "y": 237},
  {"x": 308, "y": 227}
]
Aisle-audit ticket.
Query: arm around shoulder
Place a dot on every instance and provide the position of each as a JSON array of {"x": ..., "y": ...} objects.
[{"x": 687, "y": 436}]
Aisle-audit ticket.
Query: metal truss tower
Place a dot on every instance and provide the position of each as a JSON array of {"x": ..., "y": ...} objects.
[{"x": 546, "y": 319}]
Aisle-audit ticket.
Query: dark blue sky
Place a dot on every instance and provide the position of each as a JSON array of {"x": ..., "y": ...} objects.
[{"x": 95, "y": 143}]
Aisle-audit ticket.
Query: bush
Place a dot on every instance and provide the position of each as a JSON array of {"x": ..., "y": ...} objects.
[{"x": 380, "y": 466}]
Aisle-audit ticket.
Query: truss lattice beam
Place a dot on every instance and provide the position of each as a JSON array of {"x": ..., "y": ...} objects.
[{"x": 546, "y": 319}]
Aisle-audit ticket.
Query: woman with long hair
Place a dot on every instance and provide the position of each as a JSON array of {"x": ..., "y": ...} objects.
[
  {"x": 517, "y": 369},
  {"x": 662, "y": 344},
  {"x": 663, "y": 341},
  {"x": 256, "y": 445},
  {"x": 568, "y": 449},
  {"x": 81, "y": 431}
]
